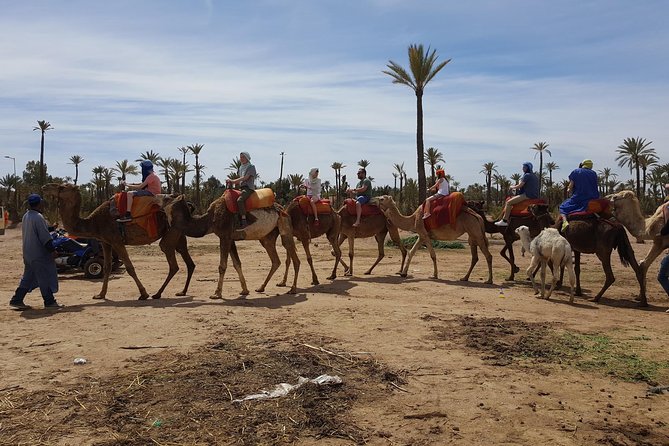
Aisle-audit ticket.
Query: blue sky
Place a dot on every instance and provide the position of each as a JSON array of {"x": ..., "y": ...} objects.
[{"x": 116, "y": 79}]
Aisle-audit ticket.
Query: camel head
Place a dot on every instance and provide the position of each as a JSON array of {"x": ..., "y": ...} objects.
[
  {"x": 627, "y": 209},
  {"x": 64, "y": 191},
  {"x": 385, "y": 202},
  {"x": 178, "y": 211}
]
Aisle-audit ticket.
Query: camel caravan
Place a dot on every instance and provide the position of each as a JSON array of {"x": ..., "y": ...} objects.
[{"x": 242, "y": 213}]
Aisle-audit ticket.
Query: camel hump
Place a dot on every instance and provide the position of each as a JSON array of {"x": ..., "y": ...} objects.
[
  {"x": 367, "y": 209},
  {"x": 323, "y": 205},
  {"x": 260, "y": 198},
  {"x": 445, "y": 211},
  {"x": 520, "y": 209}
]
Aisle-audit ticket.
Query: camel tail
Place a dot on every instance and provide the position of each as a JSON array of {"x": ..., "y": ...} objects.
[{"x": 624, "y": 248}]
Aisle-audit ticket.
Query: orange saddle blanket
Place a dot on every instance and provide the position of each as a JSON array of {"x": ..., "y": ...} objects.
[
  {"x": 367, "y": 209},
  {"x": 260, "y": 198},
  {"x": 322, "y": 206},
  {"x": 520, "y": 209},
  {"x": 444, "y": 211},
  {"x": 599, "y": 206},
  {"x": 144, "y": 210}
]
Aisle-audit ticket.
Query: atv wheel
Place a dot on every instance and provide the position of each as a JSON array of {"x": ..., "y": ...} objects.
[{"x": 93, "y": 269}]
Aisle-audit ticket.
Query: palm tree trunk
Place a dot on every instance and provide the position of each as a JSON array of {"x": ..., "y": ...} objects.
[
  {"x": 541, "y": 170},
  {"x": 420, "y": 149},
  {"x": 41, "y": 162},
  {"x": 76, "y": 174},
  {"x": 638, "y": 181}
]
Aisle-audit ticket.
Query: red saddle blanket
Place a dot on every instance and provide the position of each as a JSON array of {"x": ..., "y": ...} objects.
[
  {"x": 444, "y": 211},
  {"x": 144, "y": 211},
  {"x": 597, "y": 206},
  {"x": 322, "y": 206},
  {"x": 260, "y": 198},
  {"x": 520, "y": 209},
  {"x": 367, "y": 209}
]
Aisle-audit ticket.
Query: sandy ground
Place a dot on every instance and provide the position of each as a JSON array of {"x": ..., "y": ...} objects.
[{"x": 452, "y": 390}]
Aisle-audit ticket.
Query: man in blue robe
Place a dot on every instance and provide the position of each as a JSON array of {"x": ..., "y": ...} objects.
[
  {"x": 583, "y": 184},
  {"x": 39, "y": 267}
]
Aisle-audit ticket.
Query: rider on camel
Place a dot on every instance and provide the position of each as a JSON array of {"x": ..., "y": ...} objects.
[
  {"x": 149, "y": 187},
  {"x": 583, "y": 184},
  {"x": 441, "y": 188},
  {"x": 528, "y": 189}
]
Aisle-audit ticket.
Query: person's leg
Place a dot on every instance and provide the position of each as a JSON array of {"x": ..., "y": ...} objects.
[
  {"x": 313, "y": 200},
  {"x": 128, "y": 216},
  {"x": 358, "y": 213},
  {"x": 509, "y": 205},
  {"x": 663, "y": 274},
  {"x": 426, "y": 208},
  {"x": 47, "y": 280},
  {"x": 241, "y": 204},
  {"x": 26, "y": 285}
]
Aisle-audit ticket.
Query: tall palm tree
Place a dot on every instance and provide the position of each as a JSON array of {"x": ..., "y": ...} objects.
[
  {"x": 629, "y": 155},
  {"x": 184, "y": 166},
  {"x": 337, "y": 167},
  {"x": 424, "y": 67},
  {"x": 606, "y": 174},
  {"x": 149, "y": 155},
  {"x": 125, "y": 168},
  {"x": 98, "y": 183},
  {"x": 166, "y": 165},
  {"x": 195, "y": 150},
  {"x": 296, "y": 181},
  {"x": 432, "y": 158},
  {"x": 541, "y": 147},
  {"x": 364, "y": 164},
  {"x": 488, "y": 170},
  {"x": 42, "y": 126},
  {"x": 551, "y": 166},
  {"x": 395, "y": 175},
  {"x": 515, "y": 177},
  {"x": 76, "y": 160}
]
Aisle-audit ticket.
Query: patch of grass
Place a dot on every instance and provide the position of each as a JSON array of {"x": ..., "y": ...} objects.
[{"x": 436, "y": 244}]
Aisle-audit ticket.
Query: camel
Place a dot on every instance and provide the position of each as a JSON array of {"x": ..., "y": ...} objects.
[
  {"x": 467, "y": 222},
  {"x": 265, "y": 225},
  {"x": 599, "y": 236},
  {"x": 102, "y": 226},
  {"x": 376, "y": 226},
  {"x": 627, "y": 210},
  {"x": 538, "y": 219},
  {"x": 304, "y": 230}
]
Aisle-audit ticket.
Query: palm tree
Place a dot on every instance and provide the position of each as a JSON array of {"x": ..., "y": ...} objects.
[
  {"x": 432, "y": 158},
  {"x": 395, "y": 175},
  {"x": 488, "y": 169},
  {"x": 606, "y": 173},
  {"x": 515, "y": 177},
  {"x": 399, "y": 168},
  {"x": 195, "y": 150},
  {"x": 630, "y": 153},
  {"x": 125, "y": 168},
  {"x": 184, "y": 151},
  {"x": 645, "y": 161},
  {"x": 296, "y": 181},
  {"x": 551, "y": 166},
  {"x": 337, "y": 167},
  {"x": 98, "y": 183},
  {"x": 424, "y": 67},
  {"x": 363, "y": 164},
  {"x": 166, "y": 165},
  {"x": 541, "y": 147},
  {"x": 42, "y": 126},
  {"x": 76, "y": 160},
  {"x": 149, "y": 155}
]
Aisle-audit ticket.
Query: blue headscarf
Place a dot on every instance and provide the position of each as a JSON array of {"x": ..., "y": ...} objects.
[
  {"x": 528, "y": 165},
  {"x": 147, "y": 168}
]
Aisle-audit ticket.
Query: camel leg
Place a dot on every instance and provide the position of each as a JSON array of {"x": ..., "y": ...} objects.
[
  {"x": 342, "y": 237},
  {"x": 508, "y": 247},
  {"x": 395, "y": 237},
  {"x": 554, "y": 276},
  {"x": 351, "y": 247},
  {"x": 572, "y": 278},
  {"x": 474, "y": 261},
  {"x": 543, "y": 279},
  {"x": 307, "y": 251},
  {"x": 288, "y": 243},
  {"x": 333, "y": 239},
  {"x": 182, "y": 248},
  {"x": 416, "y": 246},
  {"x": 654, "y": 252},
  {"x": 237, "y": 264},
  {"x": 605, "y": 258},
  {"x": 531, "y": 271},
  {"x": 269, "y": 243},
  {"x": 107, "y": 253},
  {"x": 167, "y": 247},
  {"x": 380, "y": 238},
  {"x": 483, "y": 246},
  {"x": 130, "y": 269},
  {"x": 224, "y": 246},
  {"x": 577, "y": 272},
  {"x": 285, "y": 272}
]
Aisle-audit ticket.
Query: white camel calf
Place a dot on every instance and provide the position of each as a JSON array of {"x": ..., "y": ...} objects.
[{"x": 548, "y": 245}]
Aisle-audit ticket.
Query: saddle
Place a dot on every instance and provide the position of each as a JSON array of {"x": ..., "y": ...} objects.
[
  {"x": 260, "y": 198},
  {"x": 322, "y": 206},
  {"x": 599, "y": 207},
  {"x": 445, "y": 210},
  {"x": 144, "y": 211},
  {"x": 521, "y": 209},
  {"x": 367, "y": 209}
]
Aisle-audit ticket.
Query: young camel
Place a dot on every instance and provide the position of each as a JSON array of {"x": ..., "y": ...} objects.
[
  {"x": 538, "y": 219},
  {"x": 265, "y": 225},
  {"x": 376, "y": 226},
  {"x": 549, "y": 245},
  {"x": 303, "y": 230},
  {"x": 102, "y": 226},
  {"x": 467, "y": 222},
  {"x": 627, "y": 210}
]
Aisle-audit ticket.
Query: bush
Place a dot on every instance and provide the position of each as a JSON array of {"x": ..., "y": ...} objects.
[{"x": 436, "y": 244}]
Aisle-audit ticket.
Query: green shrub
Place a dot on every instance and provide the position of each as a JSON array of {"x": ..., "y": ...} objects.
[{"x": 436, "y": 244}]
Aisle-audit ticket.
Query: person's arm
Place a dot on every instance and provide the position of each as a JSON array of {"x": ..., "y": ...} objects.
[
  {"x": 361, "y": 189},
  {"x": 570, "y": 187}
]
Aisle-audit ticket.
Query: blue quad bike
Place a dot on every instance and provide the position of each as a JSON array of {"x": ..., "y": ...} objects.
[{"x": 85, "y": 254}]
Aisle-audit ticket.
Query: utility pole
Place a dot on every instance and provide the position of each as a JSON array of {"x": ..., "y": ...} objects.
[{"x": 281, "y": 174}]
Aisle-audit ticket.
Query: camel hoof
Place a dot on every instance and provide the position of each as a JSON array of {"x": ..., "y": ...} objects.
[
  {"x": 143, "y": 297},
  {"x": 515, "y": 269},
  {"x": 348, "y": 274},
  {"x": 488, "y": 282},
  {"x": 282, "y": 284},
  {"x": 315, "y": 282},
  {"x": 466, "y": 279},
  {"x": 434, "y": 277},
  {"x": 247, "y": 292},
  {"x": 292, "y": 291},
  {"x": 182, "y": 293},
  {"x": 156, "y": 296},
  {"x": 258, "y": 290},
  {"x": 643, "y": 304},
  {"x": 331, "y": 277},
  {"x": 99, "y": 297},
  {"x": 215, "y": 297}
]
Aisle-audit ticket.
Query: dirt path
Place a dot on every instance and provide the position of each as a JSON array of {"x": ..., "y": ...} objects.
[{"x": 423, "y": 361}]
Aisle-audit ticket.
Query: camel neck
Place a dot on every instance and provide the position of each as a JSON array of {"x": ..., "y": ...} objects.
[{"x": 404, "y": 222}]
